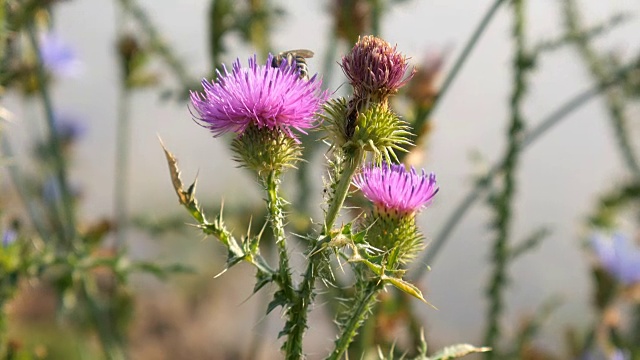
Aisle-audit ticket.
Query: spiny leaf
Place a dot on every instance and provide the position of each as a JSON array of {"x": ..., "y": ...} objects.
[
  {"x": 183, "y": 196},
  {"x": 279, "y": 299},
  {"x": 406, "y": 287},
  {"x": 186, "y": 198},
  {"x": 456, "y": 351},
  {"x": 262, "y": 279}
]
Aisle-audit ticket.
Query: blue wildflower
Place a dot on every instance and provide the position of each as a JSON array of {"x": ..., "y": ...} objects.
[
  {"x": 618, "y": 256},
  {"x": 9, "y": 236},
  {"x": 58, "y": 57}
]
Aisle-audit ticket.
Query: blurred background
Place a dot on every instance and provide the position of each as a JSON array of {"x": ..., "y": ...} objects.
[{"x": 193, "y": 316}]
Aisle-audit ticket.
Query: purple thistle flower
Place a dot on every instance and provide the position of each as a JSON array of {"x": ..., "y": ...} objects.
[
  {"x": 392, "y": 187},
  {"x": 374, "y": 67},
  {"x": 58, "y": 57},
  {"x": 260, "y": 95},
  {"x": 618, "y": 256}
]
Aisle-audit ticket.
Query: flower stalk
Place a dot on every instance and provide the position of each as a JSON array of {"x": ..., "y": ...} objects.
[
  {"x": 504, "y": 200},
  {"x": 59, "y": 163},
  {"x": 342, "y": 189},
  {"x": 276, "y": 219},
  {"x": 297, "y": 324},
  {"x": 356, "y": 319}
]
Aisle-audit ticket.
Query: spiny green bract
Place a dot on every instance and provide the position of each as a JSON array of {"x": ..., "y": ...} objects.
[
  {"x": 398, "y": 236},
  {"x": 377, "y": 129},
  {"x": 266, "y": 150}
]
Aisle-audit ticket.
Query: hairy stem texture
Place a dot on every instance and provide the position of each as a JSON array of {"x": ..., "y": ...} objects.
[
  {"x": 356, "y": 318},
  {"x": 503, "y": 202}
]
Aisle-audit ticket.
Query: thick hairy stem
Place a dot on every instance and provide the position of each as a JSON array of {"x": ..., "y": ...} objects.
[
  {"x": 299, "y": 311},
  {"x": 293, "y": 344},
  {"x": 356, "y": 318},
  {"x": 504, "y": 200},
  {"x": 276, "y": 219},
  {"x": 342, "y": 190},
  {"x": 614, "y": 100}
]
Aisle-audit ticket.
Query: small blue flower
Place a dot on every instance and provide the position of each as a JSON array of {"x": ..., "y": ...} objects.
[
  {"x": 69, "y": 127},
  {"x": 9, "y": 236},
  {"x": 598, "y": 354},
  {"x": 58, "y": 57},
  {"x": 619, "y": 256}
]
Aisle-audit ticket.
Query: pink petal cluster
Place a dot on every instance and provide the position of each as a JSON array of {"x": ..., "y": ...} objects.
[
  {"x": 393, "y": 188},
  {"x": 260, "y": 95},
  {"x": 374, "y": 67}
]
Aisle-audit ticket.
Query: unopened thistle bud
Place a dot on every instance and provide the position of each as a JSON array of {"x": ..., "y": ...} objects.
[
  {"x": 397, "y": 195},
  {"x": 375, "y": 69},
  {"x": 377, "y": 129},
  {"x": 262, "y": 104},
  {"x": 266, "y": 150}
]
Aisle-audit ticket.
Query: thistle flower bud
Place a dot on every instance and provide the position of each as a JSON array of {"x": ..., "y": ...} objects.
[
  {"x": 397, "y": 195},
  {"x": 376, "y": 129},
  {"x": 375, "y": 69},
  {"x": 266, "y": 150}
]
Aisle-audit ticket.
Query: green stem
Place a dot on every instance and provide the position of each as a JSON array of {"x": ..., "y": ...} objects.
[
  {"x": 530, "y": 138},
  {"x": 299, "y": 310},
  {"x": 218, "y": 10},
  {"x": 310, "y": 143},
  {"x": 111, "y": 344},
  {"x": 504, "y": 200},
  {"x": 357, "y": 317},
  {"x": 462, "y": 58},
  {"x": 276, "y": 219},
  {"x": 159, "y": 45},
  {"x": 3, "y": 32},
  {"x": 342, "y": 189},
  {"x": 376, "y": 16},
  {"x": 18, "y": 181},
  {"x": 122, "y": 165},
  {"x": 615, "y": 101},
  {"x": 59, "y": 163},
  {"x": 293, "y": 344},
  {"x": 259, "y": 26}
]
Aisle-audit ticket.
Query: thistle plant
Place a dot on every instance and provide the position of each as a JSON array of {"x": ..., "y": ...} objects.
[{"x": 268, "y": 107}]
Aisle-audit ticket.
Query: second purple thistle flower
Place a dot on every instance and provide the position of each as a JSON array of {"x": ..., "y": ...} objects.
[
  {"x": 259, "y": 95},
  {"x": 394, "y": 188}
]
